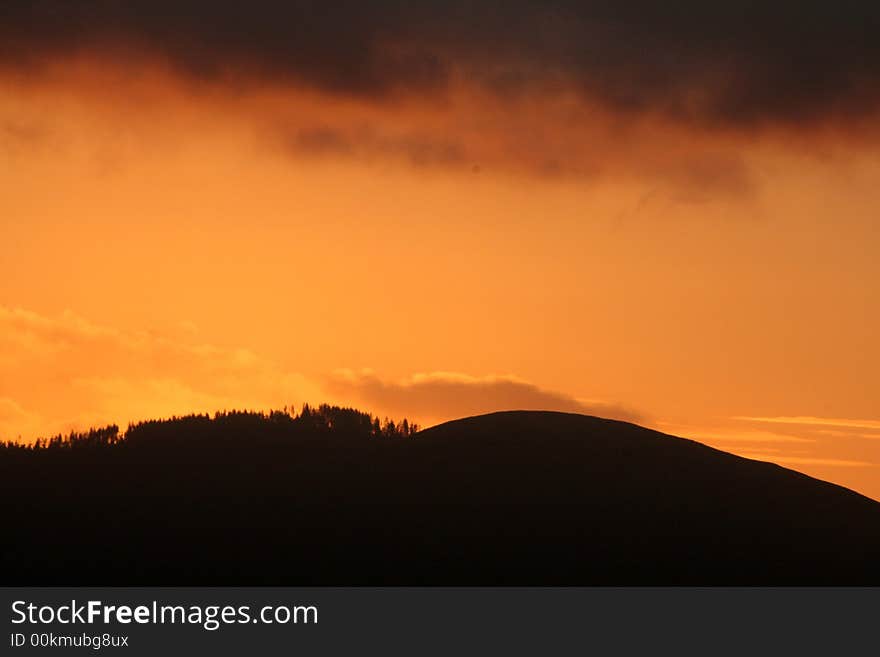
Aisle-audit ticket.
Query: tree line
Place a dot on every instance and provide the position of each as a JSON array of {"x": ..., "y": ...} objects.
[{"x": 228, "y": 427}]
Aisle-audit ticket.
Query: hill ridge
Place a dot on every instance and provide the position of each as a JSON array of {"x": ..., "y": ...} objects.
[{"x": 515, "y": 497}]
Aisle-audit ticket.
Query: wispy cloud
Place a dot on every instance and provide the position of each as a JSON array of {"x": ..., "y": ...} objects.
[
  {"x": 66, "y": 372},
  {"x": 78, "y": 373},
  {"x": 806, "y": 460},
  {"x": 17, "y": 421},
  {"x": 809, "y": 420},
  {"x": 734, "y": 436},
  {"x": 804, "y": 446},
  {"x": 849, "y": 434}
]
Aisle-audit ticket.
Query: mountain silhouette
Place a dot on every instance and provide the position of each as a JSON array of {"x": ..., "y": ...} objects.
[{"x": 333, "y": 497}]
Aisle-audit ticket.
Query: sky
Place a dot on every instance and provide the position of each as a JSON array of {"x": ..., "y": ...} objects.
[{"x": 658, "y": 212}]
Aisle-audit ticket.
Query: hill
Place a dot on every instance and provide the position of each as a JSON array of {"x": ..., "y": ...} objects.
[{"x": 333, "y": 497}]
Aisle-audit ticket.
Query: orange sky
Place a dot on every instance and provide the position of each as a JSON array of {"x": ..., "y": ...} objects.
[{"x": 169, "y": 247}]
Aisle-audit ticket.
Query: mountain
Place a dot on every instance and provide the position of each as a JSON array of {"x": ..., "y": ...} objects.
[{"x": 512, "y": 498}]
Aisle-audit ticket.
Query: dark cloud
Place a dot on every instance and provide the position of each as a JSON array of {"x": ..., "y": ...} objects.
[
  {"x": 702, "y": 177},
  {"x": 696, "y": 174},
  {"x": 729, "y": 62},
  {"x": 343, "y": 47},
  {"x": 445, "y": 395},
  {"x": 367, "y": 143},
  {"x": 15, "y": 135}
]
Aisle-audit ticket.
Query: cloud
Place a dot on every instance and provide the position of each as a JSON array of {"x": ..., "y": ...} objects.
[
  {"x": 439, "y": 396},
  {"x": 797, "y": 445},
  {"x": 19, "y": 135},
  {"x": 112, "y": 115},
  {"x": 725, "y": 63},
  {"x": 410, "y": 84},
  {"x": 806, "y": 460},
  {"x": 735, "y": 436},
  {"x": 849, "y": 434},
  {"x": 79, "y": 373},
  {"x": 368, "y": 143},
  {"x": 16, "y": 421},
  {"x": 815, "y": 421}
]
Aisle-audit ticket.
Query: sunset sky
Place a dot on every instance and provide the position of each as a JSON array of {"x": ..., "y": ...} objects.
[{"x": 660, "y": 212}]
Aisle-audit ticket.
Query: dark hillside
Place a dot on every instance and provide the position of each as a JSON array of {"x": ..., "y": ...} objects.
[{"x": 333, "y": 497}]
